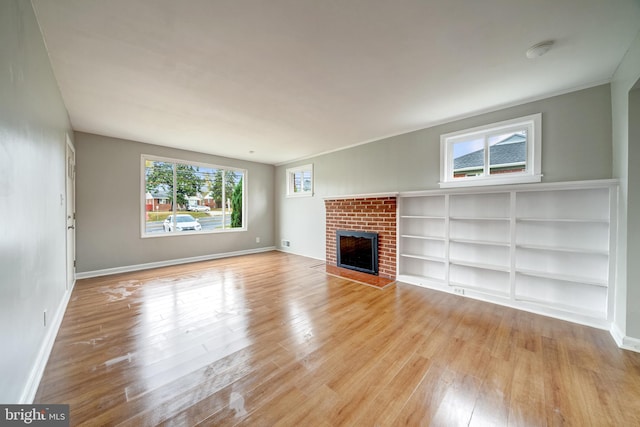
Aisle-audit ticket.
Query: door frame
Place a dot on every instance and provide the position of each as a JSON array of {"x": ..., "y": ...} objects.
[{"x": 70, "y": 213}]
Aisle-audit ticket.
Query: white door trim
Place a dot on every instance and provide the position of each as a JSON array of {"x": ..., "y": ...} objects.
[{"x": 70, "y": 212}]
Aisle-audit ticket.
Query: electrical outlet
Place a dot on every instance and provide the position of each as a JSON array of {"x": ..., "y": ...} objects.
[
  {"x": 458, "y": 291},
  {"x": 286, "y": 243},
  {"x": 257, "y": 240}
]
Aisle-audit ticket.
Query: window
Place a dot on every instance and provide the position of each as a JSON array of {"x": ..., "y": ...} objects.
[
  {"x": 500, "y": 153},
  {"x": 300, "y": 181},
  {"x": 181, "y": 197}
]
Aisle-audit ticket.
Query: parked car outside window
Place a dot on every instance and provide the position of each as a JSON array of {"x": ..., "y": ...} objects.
[{"x": 183, "y": 222}]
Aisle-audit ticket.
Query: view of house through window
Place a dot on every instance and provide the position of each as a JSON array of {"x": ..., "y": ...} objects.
[
  {"x": 300, "y": 181},
  {"x": 507, "y": 152},
  {"x": 182, "y": 197}
]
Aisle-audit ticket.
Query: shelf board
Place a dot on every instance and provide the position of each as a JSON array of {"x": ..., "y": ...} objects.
[
  {"x": 479, "y": 289},
  {"x": 564, "y": 249},
  {"x": 563, "y": 307},
  {"x": 422, "y": 217},
  {"x": 424, "y": 257},
  {"x": 563, "y": 277},
  {"x": 412, "y": 236},
  {"x": 481, "y": 242},
  {"x": 479, "y": 265},
  {"x": 574, "y": 220},
  {"x": 476, "y": 218}
]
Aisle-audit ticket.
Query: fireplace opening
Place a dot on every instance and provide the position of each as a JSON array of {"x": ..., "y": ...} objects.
[{"x": 357, "y": 250}]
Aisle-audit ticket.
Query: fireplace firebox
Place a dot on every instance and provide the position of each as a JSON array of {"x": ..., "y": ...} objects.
[{"x": 357, "y": 250}]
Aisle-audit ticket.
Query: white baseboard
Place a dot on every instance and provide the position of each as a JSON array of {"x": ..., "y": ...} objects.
[
  {"x": 147, "y": 266},
  {"x": 33, "y": 382},
  {"x": 617, "y": 334},
  {"x": 623, "y": 341},
  {"x": 505, "y": 302},
  {"x": 288, "y": 251}
]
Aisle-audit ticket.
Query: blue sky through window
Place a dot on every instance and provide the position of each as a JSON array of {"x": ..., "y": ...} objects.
[{"x": 465, "y": 147}]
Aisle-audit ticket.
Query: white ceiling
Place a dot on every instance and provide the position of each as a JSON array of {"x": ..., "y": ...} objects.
[{"x": 273, "y": 81}]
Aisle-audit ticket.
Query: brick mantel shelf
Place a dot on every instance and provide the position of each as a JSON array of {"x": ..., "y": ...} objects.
[
  {"x": 361, "y": 196},
  {"x": 373, "y": 213}
]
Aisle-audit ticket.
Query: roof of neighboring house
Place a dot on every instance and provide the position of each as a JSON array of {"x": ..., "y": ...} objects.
[
  {"x": 160, "y": 195},
  {"x": 510, "y": 150}
]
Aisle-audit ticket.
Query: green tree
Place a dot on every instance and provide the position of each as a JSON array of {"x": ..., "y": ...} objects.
[
  {"x": 189, "y": 182},
  {"x": 159, "y": 178},
  {"x": 236, "y": 206},
  {"x": 229, "y": 179}
]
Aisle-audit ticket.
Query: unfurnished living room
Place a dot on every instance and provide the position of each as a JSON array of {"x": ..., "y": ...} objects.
[{"x": 320, "y": 213}]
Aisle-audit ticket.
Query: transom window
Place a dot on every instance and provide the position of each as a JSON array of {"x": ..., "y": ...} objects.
[
  {"x": 500, "y": 153},
  {"x": 180, "y": 197},
  {"x": 300, "y": 181}
]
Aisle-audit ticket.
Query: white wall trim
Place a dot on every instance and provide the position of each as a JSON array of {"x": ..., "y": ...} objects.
[
  {"x": 33, "y": 382},
  {"x": 632, "y": 344},
  {"x": 623, "y": 341},
  {"x": 286, "y": 251},
  {"x": 563, "y": 185},
  {"x": 617, "y": 334},
  {"x": 522, "y": 306},
  {"x": 167, "y": 263}
]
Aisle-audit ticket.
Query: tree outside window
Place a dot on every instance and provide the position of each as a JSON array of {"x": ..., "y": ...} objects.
[{"x": 182, "y": 197}]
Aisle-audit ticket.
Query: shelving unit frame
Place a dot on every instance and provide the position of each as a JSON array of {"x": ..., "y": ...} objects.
[{"x": 525, "y": 246}]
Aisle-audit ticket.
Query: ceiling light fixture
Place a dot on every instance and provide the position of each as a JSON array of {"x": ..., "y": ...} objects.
[{"x": 537, "y": 50}]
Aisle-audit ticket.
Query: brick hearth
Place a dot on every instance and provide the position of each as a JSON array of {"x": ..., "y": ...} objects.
[{"x": 369, "y": 214}]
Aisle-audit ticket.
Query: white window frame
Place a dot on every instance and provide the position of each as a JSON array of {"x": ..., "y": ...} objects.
[
  {"x": 143, "y": 193},
  {"x": 532, "y": 172},
  {"x": 291, "y": 181}
]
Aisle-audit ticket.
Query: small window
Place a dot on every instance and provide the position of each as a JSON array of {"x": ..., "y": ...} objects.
[
  {"x": 300, "y": 181},
  {"x": 182, "y": 197},
  {"x": 500, "y": 153}
]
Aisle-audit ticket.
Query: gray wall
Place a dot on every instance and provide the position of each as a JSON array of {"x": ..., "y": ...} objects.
[
  {"x": 633, "y": 212},
  {"x": 626, "y": 147},
  {"x": 33, "y": 125},
  {"x": 576, "y": 135},
  {"x": 109, "y": 205}
]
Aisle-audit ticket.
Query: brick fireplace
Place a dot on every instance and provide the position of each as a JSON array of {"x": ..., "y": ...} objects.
[{"x": 369, "y": 214}]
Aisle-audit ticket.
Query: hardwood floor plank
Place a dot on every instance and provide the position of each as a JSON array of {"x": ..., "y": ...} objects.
[
  {"x": 527, "y": 405},
  {"x": 389, "y": 399},
  {"x": 458, "y": 402},
  {"x": 270, "y": 339},
  {"x": 493, "y": 403}
]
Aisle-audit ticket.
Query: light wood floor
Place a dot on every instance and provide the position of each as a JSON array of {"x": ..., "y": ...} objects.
[{"x": 270, "y": 339}]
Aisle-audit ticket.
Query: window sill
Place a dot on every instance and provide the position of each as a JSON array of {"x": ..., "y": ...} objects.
[
  {"x": 191, "y": 233},
  {"x": 483, "y": 182}
]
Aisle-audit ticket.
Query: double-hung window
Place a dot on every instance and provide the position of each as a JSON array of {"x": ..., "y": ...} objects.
[
  {"x": 181, "y": 197},
  {"x": 507, "y": 152}
]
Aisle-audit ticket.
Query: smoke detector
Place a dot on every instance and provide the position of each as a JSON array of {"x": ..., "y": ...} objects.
[{"x": 537, "y": 50}]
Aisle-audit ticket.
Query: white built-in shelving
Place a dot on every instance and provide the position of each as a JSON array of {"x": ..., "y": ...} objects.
[{"x": 540, "y": 247}]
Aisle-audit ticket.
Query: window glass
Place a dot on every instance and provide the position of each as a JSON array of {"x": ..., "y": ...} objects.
[
  {"x": 300, "y": 181},
  {"x": 507, "y": 152},
  {"x": 207, "y": 198},
  {"x": 306, "y": 181},
  {"x": 468, "y": 158},
  {"x": 159, "y": 195}
]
